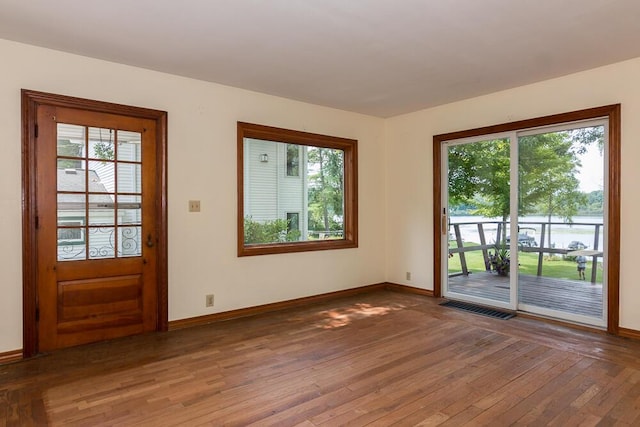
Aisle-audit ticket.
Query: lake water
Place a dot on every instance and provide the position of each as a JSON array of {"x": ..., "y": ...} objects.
[{"x": 562, "y": 234}]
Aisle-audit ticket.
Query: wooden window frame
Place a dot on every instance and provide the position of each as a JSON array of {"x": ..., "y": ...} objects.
[
  {"x": 610, "y": 112},
  {"x": 350, "y": 149}
]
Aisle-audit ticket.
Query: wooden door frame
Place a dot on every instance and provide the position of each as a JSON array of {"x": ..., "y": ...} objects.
[
  {"x": 30, "y": 102},
  {"x": 613, "y": 114}
]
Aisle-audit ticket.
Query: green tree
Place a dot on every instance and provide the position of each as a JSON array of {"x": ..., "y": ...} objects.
[
  {"x": 326, "y": 188},
  {"x": 479, "y": 174},
  {"x": 548, "y": 167},
  {"x": 595, "y": 203},
  {"x": 587, "y": 136}
]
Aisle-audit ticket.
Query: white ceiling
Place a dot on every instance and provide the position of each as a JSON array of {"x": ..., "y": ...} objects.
[{"x": 377, "y": 57}]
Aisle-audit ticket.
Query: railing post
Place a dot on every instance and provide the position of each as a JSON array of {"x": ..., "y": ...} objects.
[
  {"x": 594, "y": 262},
  {"x": 463, "y": 260},
  {"x": 541, "y": 254},
  {"x": 483, "y": 242}
]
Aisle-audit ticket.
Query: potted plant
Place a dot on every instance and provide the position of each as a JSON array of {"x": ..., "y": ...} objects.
[{"x": 501, "y": 260}]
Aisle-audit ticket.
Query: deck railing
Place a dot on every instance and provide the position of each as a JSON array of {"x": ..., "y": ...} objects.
[{"x": 539, "y": 247}]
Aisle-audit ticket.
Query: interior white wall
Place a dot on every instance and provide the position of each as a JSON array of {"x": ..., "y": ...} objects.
[
  {"x": 410, "y": 165},
  {"x": 395, "y": 155},
  {"x": 202, "y": 166}
]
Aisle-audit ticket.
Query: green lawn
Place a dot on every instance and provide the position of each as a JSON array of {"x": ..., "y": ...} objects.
[{"x": 555, "y": 267}]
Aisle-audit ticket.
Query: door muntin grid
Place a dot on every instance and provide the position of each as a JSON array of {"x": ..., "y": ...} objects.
[{"x": 99, "y": 193}]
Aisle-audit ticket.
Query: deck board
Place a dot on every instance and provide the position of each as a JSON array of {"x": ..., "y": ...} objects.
[{"x": 571, "y": 296}]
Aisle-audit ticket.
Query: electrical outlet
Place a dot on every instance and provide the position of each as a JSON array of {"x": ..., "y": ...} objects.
[
  {"x": 194, "y": 205},
  {"x": 408, "y": 275},
  {"x": 209, "y": 300}
]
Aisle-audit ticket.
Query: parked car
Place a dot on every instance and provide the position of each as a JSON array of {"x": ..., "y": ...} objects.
[
  {"x": 524, "y": 240},
  {"x": 576, "y": 245}
]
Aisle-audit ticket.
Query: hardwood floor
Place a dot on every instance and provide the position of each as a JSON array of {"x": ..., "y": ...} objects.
[{"x": 381, "y": 358}]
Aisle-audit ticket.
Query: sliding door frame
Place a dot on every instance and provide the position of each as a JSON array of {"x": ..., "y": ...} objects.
[
  {"x": 445, "y": 292},
  {"x": 612, "y": 114}
]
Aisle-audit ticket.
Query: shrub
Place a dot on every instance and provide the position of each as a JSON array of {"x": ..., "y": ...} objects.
[{"x": 273, "y": 231}]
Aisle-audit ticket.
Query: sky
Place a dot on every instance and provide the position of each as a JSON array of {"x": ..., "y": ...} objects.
[{"x": 591, "y": 174}]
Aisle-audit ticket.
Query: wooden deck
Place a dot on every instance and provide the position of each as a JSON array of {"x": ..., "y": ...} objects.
[{"x": 570, "y": 296}]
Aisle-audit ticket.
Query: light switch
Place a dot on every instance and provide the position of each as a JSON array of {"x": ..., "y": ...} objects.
[{"x": 194, "y": 205}]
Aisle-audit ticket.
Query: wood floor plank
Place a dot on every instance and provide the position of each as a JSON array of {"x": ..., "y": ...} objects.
[
  {"x": 433, "y": 367},
  {"x": 527, "y": 390},
  {"x": 379, "y": 359},
  {"x": 445, "y": 388}
]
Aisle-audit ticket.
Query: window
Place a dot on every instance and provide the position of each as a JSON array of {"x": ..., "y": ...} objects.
[
  {"x": 72, "y": 233},
  {"x": 293, "y": 221},
  {"x": 277, "y": 214},
  {"x": 293, "y": 160}
]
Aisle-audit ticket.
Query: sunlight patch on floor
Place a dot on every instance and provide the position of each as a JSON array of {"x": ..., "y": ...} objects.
[{"x": 338, "y": 318}]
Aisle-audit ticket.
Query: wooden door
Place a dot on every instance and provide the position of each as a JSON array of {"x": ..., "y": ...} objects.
[{"x": 99, "y": 228}]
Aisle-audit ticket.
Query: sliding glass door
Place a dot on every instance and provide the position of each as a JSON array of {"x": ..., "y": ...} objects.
[
  {"x": 561, "y": 217},
  {"x": 524, "y": 214},
  {"x": 477, "y": 210}
]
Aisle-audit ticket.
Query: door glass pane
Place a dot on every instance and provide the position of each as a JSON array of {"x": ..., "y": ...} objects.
[
  {"x": 70, "y": 141},
  {"x": 129, "y": 178},
  {"x": 130, "y": 241},
  {"x": 129, "y": 146},
  {"x": 561, "y": 218},
  {"x": 101, "y": 144},
  {"x": 101, "y": 209},
  {"x": 479, "y": 211},
  {"x": 102, "y": 177},
  {"x": 71, "y": 206},
  {"x": 71, "y": 175},
  {"x": 71, "y": 245},
  {"x": 129, "y": 210},
  {"x": 101, "y": 242}
]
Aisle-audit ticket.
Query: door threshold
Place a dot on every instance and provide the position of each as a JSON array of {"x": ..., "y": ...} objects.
[{"x": 565, "y": 323}]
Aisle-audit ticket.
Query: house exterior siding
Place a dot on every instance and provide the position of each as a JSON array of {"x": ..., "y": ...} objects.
[{"x": 270, "y": 194}]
